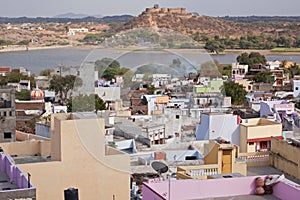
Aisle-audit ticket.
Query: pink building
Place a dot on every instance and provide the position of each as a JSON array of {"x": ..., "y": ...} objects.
[{"x": 215, "y": 188}]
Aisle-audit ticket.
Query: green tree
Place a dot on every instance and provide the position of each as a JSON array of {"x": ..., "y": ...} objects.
[
  {"x": 251, "y": 59},
  {"x": 23, "y": 95},
  {"x": 264, "y": 77},
  {"x": 292, "y": 70},
  {"x": 62, "y": 86},
  {"x": 86, "y": 103},
  {"x": 107, "y": 68},
  {"x": 214, "y": 46},
  {"x": 236, "y": 92}
]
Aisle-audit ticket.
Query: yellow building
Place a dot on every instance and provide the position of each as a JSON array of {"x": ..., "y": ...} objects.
[
  {"x": 80, "y": 159},
  {"x": 255, "y": 134},
  {"x": 219, "y": 159}
]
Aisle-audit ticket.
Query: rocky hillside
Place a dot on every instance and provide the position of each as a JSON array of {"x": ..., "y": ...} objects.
[{"x": 192, "y": 24}]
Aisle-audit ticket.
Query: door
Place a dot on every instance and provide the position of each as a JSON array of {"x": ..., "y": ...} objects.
[{"x": 227, "y": 161}]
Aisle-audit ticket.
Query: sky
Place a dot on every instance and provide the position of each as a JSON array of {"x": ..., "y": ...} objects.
[{"x": 49, "y": 8}]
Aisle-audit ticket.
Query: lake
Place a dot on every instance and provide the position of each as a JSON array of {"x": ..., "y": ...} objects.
[{"x": 38, "y": 60}]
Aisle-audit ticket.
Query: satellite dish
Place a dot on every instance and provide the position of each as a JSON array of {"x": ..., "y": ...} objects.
[{"x": 160, "y": 167}]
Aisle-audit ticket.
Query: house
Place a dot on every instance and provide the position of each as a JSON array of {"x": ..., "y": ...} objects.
[
  {"x": 256, "y": 133},
  {"x": 296, "y": 87},
  {"x": 7, "y": 115},
  {"x": 4, "y": 71},
  {"x": 73, "y": 31},
  {"x": 160, "y": 79},
  {"x": 220, "y": 158},
  {"x": 219, "y": 125},
  {"x": 278, "y": 109},
  {"x": 238, "y": 71},
  {"x": 80, "y": 159},
  {"x": 156, "y": 133}
]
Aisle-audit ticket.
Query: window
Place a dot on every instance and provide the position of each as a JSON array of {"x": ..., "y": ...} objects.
[
  {"x": 177, "y": 117},
  {"x": 296, "y": 88},
  {"x": 7, "y": 135},
  {"x": 251, "y": 143}
]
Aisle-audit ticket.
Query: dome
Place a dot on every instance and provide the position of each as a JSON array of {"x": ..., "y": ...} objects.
[{"x": 37, "y": 94}]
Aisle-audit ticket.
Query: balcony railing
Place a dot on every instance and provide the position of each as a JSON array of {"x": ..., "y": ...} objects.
[
  {"x": 190, "y": 172},
  {"x": 255, "y": 158}
]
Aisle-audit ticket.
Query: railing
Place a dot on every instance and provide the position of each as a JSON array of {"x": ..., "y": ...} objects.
[
  {"x": 188, "y": 172},
  {"x": 255, "y": 158}
]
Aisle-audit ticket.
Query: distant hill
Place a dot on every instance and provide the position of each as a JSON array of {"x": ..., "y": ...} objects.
[
  {"x": 194, "y": 25},
  {"x": 60, "y": 19},
  {"x": 250, "y": 19},
  {"x": 76, "y": 16}
]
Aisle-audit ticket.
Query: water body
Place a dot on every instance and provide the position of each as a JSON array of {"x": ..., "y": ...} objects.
[{"x": 38, "y": 60}]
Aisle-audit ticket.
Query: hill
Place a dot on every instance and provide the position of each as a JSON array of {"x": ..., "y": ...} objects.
[{"x": 194, "y": 25}]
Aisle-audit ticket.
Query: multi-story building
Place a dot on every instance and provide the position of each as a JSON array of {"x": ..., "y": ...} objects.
[
  {"x": 255, "y": 134},
  {"x": 80, "y": 159},
  {"x": 7, "y": 115}
]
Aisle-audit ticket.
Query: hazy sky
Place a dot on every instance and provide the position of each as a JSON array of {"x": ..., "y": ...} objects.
[{"x": 33, "y": 8}]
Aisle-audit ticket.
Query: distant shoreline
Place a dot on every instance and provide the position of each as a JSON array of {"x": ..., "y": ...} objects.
[{"x": 17, "y": 48}]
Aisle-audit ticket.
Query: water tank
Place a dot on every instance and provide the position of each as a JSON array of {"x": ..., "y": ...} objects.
[{"x": 71, "y": 194}]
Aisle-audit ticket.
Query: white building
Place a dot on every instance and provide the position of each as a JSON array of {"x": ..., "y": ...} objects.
[
  {"x": 219, "y": 125},
  {"x": 238, "y": 71},
  {"x": 161, "y": 79},
  {"x": 73, "y": 31},
  {"x": 296, "y": 87}
]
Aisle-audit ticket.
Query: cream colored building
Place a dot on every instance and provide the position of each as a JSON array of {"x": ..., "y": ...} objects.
[
  {"x": 220, "y": 158},
  {"x": 80, "y": 159},
  {"x": 256, "y": 133}
]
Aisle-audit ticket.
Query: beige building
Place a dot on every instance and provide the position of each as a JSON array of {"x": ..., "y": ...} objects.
[
  {"x": 286, "y": 156},
  {"x": 221, "y": 158},
  {"x": 256, "y": 133},
  {"x": 80, "y": 159}
]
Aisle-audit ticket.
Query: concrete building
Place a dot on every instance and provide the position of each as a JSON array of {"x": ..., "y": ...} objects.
[
  {"x": 219, "y": 125},
  {"x": 285, "y": 156},
  {"x": 108, "y": 93},
  {"x": 278, "y": 109},
  {"x": 296, "y": 87},
  {"x": 255, "y": 134},
  {"x": 4, "y": 71},
  {"x": 220, "y": 158},
  {"x": 80, "y": 159},
  {"x": 239, "y": 71},
  {"x": 161, "y": 79},
  {"x": 7, "y": 115}
]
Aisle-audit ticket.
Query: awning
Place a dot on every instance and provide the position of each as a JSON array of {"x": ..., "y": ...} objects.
[{"x": 263, "y": 139}]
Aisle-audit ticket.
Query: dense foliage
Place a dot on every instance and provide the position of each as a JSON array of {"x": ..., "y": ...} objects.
[
  {"x": 86, "y": 103},
  {"x": 236, "y": 92}
]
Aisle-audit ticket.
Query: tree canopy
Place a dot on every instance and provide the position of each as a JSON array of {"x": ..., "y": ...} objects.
[
  {"x": 86, "y": 103},
  {"x": 251, "y": 59},
  {"x": 292, "y": 70},
  {"x": 236, "y": 92},
  {"x": 264, "y": 77},
  {"x": 62, "y": 86},
  {"x": 107, "y": 68}
]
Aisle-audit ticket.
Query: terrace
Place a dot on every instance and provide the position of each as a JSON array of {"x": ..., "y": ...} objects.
[{"x": 237, "y": 188}]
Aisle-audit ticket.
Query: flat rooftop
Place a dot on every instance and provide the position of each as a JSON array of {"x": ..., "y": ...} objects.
[
  {"x": 244, "y": 197},
  {"x": 5, "y": 183},
  {"x": 30, "y": 159}
]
